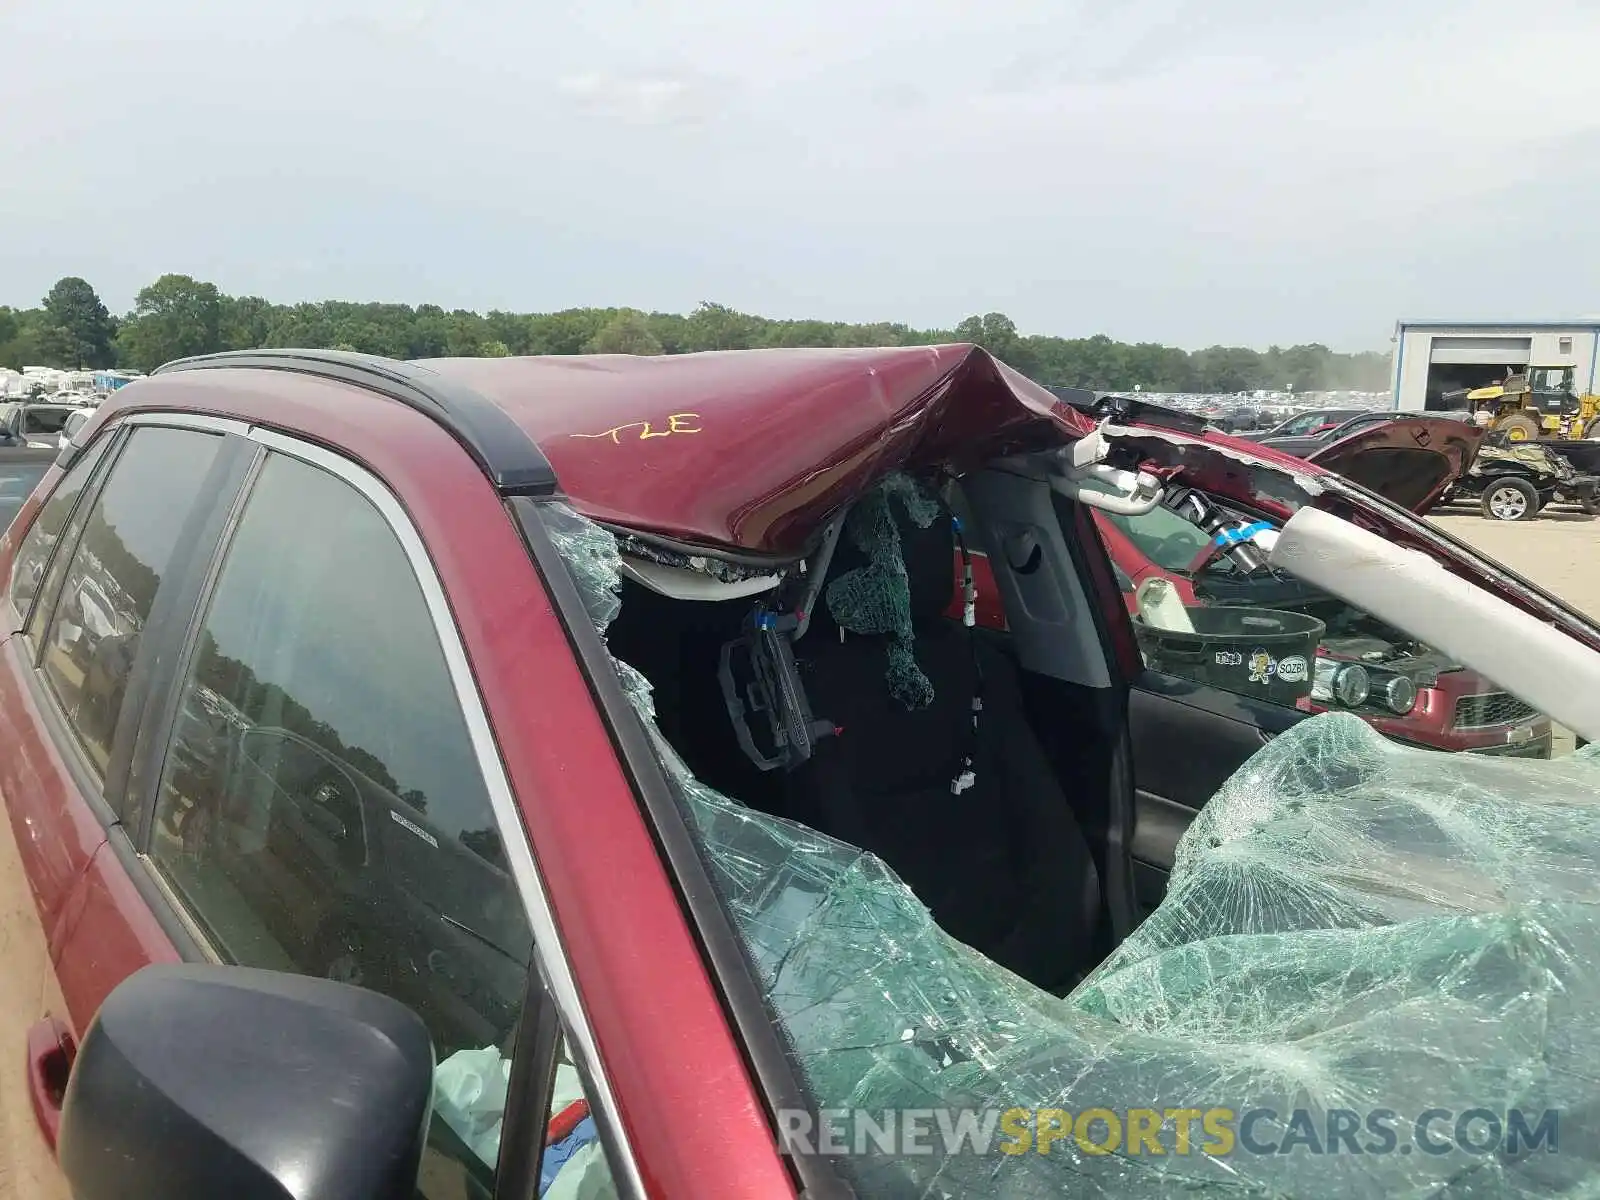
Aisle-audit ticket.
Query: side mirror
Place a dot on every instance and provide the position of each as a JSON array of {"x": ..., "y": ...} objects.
[{"x": 198, "y": 1082}]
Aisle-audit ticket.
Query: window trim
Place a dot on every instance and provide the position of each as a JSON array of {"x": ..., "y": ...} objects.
[
  {"x": 109, "y": 794},
  {"x": 91, "y": 489},
  {"x": 549, "y": 963}
]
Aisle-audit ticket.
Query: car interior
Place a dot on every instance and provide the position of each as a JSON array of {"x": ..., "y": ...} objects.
[
  {"x": 1005, "y": 801},
  {"x": 1010, "y": 796}
]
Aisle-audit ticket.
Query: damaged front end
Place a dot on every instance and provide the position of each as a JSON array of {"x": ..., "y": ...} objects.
[{"x": 1354, "y": 932}]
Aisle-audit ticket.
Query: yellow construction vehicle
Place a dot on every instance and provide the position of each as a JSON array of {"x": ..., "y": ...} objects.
[{"x": 1538, "y": 401}]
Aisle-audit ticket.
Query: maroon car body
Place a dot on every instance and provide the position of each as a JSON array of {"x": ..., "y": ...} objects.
[{"x": 742, "y": 455}]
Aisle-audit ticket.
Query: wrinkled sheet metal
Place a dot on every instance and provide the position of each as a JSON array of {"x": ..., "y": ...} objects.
[
  {"x": 751, "y": 451},
  {"x": 1351, "y": 926}
]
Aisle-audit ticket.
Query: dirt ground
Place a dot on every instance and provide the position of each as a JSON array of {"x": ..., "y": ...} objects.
[
  {"x": 1560, "y": 551},
  {"x": 27, "y": 992}
]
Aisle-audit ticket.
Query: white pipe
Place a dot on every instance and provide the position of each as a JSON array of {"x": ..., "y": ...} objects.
[{"x": 1474, "y": 627}]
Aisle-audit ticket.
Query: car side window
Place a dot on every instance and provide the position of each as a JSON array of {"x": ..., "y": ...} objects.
[
  {"x": 321, "y": 808},
  {"x": 109, "y": 584},
  {"x": 1203, "y": 614},
  {"x": 41, "y": 538},
  {"x": 573, "y": 1166}
]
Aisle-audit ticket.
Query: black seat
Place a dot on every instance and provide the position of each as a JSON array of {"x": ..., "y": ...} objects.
[{"x": 1003, "y": 864}]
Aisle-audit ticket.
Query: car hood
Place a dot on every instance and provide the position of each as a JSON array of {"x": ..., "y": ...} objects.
[{"x": 1408, "y": 462}]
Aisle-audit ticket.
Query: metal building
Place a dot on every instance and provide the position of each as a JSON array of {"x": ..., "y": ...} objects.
[{"x": 1434, "y": 358}]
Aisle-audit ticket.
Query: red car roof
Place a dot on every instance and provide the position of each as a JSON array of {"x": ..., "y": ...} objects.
[{"x": 751, "y": 450}]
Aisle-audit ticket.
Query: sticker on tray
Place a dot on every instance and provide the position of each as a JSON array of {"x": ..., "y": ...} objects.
[
  {"x": 1262, "y": 666},
  {"x": 1229, "y": 658},
  {"x": 1292, "y": 669}
]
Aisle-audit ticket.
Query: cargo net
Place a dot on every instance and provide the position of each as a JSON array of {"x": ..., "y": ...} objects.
[
  {"x": 875, "y": 598},
  {"x": 1357, "y": 935}
]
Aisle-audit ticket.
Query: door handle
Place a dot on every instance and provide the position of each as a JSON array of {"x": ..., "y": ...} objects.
[{"x": 50, "y": 1054}]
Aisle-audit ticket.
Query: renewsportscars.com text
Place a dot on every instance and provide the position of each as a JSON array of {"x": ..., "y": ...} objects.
[{"x": 1151, "y": 1132}]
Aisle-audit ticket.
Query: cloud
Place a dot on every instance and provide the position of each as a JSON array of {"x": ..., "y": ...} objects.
[
  {"x": 1183, "y": 170},
  {"x": 638, "y": 100}
]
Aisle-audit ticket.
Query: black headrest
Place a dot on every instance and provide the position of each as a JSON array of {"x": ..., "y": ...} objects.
[
  {"x": 930, "y": 562},
  {"x": 930, "y": 565}
]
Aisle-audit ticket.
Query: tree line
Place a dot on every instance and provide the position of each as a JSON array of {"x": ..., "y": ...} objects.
[{"x": 178, "y": 316}]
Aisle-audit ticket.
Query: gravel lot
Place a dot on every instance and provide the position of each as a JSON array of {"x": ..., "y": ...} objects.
[{"x": 1560, "y": 551}]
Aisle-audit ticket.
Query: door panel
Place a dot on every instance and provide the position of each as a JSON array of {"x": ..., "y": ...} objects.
[
  {"x": 107, "y": 931},
  {"x": 1188, "y": 739}
]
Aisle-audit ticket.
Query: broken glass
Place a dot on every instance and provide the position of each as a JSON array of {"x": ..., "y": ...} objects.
[{"x": 1374, "y": 974}]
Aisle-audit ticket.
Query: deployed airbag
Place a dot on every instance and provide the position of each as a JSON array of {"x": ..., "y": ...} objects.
[{"x": 1353, "y": 928}]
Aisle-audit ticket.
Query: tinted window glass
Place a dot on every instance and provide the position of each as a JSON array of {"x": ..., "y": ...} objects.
[
  {"x": 321, "y": 808},
  {"x": 38, "y": 422},
  {"x": 33, "y": 555},
  {"x": 116, "y": 567}
]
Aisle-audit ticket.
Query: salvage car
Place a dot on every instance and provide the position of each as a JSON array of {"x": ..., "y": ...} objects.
[
  {"x": 21, "y": 469},
  {"x": 1515, "y": 481},
  {"x": 642, "y": 665},
  {"x": 1304, "y": 445},
  {"x": 34, "y": 423},
  {"x": 1309, "y": 423}
]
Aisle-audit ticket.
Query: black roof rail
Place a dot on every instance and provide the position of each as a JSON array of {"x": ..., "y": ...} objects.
[{"x": 511, "y": 459}]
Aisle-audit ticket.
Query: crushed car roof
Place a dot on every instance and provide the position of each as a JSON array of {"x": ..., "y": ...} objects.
[{"x": 752, "y": 450}]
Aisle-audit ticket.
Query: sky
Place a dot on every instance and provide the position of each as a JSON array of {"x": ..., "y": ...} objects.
[{"x": 1184, "y": 171}]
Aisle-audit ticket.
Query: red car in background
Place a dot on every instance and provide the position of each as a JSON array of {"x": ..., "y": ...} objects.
[
  {"x": 1398, "y": 685},
  {"x": 1405, "y": 689}
]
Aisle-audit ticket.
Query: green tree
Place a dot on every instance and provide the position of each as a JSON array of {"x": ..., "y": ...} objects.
[
  {"x": 246, "y": 322},
  {"x": 178, "y": 315},
  {"x": 1228, "y": 369},
  {"x": 564, "y": 332},
  {"x": 626, "y": 333},
  {"x": 73, "y": 307},
  {"x": 174, "y": 317},
  {"x": 997, "y": 333},
  {"x": 718, "y": 327}
]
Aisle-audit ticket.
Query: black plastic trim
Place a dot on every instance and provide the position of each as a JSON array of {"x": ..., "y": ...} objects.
[
  {"x": 528, "y": 1092},
  {"x": 513, "y": 461},
  {"x": 733, "y": 972},
  {"x": 1126, "y": 410},
  {"x": 235, "y": 469},
  {"x": 89, "y": 493}
]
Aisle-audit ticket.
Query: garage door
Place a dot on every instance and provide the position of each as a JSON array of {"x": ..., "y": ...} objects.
[{"x": 1491, "y": 351}]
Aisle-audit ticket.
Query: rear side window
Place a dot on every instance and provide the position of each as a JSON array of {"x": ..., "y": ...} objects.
[
  {"x": 321, "y": 809},
  {"x": 109, "y": 585},
  {"x": 33, "y": 556},
  {"x": 40, "y": 422}
]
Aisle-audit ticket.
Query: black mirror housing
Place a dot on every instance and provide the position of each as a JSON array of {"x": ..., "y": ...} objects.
[{"x": 228, "y": 1083}]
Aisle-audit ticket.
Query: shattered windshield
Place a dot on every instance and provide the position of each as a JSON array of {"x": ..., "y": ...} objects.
[{"x": 1374, "y": 974}]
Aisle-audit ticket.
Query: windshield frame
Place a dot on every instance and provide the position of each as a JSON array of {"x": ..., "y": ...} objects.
[{"x": 663, "y": 806}]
